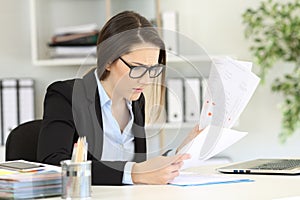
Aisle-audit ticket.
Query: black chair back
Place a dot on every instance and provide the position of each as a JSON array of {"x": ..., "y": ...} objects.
[{"x": 22, "y": 141}]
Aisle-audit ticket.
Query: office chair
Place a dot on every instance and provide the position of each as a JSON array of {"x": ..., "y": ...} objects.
[{"x": 22, "y": 141}]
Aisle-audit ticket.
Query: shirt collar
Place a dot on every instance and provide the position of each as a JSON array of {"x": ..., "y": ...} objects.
[{"x": 104, "y": 98}]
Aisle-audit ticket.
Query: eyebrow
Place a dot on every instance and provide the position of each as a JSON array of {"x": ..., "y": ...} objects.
[{"x": 138, "y": 63}]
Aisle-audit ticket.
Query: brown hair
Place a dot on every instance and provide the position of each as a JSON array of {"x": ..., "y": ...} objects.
[{"x": 120, "y": 34}]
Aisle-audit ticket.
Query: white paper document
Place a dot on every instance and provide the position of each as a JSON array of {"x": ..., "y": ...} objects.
[
  {"x": 198, "y": 180},
  {"x": 230, "y": 86},
  {"x": 200, "y": 152}
]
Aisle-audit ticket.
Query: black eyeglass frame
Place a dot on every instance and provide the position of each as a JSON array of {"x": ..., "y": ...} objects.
[{"x": 147, "y": 68}]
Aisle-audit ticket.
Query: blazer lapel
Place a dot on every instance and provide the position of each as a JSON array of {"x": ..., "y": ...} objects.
[
  {"x": 87, "y": 119},
  {"x": 96, "y": 122},
  {"x": 139, "y": 130}
]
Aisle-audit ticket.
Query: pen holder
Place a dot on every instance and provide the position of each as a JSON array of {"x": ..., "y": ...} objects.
[{"x": 76, "y": 180}]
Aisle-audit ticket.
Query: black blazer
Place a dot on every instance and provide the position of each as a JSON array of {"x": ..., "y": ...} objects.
[{"x": 71, "y": 109}]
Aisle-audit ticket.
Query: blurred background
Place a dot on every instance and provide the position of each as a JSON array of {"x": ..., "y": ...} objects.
[{"x": 214, "y": 25}]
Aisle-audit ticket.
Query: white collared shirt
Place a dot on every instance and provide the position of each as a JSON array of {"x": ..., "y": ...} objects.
[{"x": 117, "y": 146}]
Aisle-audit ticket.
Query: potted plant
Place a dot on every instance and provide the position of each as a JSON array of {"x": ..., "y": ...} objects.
[{"x": 274, "y": 30}]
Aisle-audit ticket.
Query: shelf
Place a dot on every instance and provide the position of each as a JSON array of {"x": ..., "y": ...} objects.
[
  {"x": 193, "y": 65},
  {"x": 92, "y": 61},
  {"x": 65, "y": 62},
  {"x": 187, "y": 58},
  {"x": 46, "y": 16}
]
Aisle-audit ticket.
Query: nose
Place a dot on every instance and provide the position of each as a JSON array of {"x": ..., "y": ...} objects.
[{"x": 145, "y": 80}]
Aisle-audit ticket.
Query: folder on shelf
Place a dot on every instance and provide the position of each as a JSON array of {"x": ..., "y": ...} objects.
[
  {"x": 169, "y": 28},
  {"x": 72, "y": 51},
  {"x": 192, "y": 99},
  {"x": 26, "y": 100},
  {"x": 84, "y": 28},
  {"x": 79, "y": 38},
  {"x": 1, "y": 114},
  {"x": 175, "y": 100},
  {"x": 9, "y": 107},
  {"x": 16, "y": 104}
]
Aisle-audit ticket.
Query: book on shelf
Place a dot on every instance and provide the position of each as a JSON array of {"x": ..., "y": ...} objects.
[
  {"x": 84, "y": 41},
  {"x": 76, "y": 29},
  {"x": 33, "y": 184},
  {"x": 88, "y": 39},
  {"x": 74, "y": 42},
  {"x": 73, "y": 36},
  {"x": 74, "y": 51}
]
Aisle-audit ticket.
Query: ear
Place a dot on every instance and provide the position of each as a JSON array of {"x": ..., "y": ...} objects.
[{"x": 108, "y": 67}]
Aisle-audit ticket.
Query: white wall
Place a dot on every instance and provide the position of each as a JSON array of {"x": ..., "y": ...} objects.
[
  {"x": 214, "y": 24},
  {"x": 15, "y": 57},
  {"x": 217, "y": 26}
]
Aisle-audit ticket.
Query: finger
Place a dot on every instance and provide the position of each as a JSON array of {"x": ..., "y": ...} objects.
[
  {"x": 197, "y": 129},
  {"x": 179, "y": 165},
  {"x": 175, "y": 167},
  {"x": 184, "y": 156},
  {"x": 177, "y": 158},
  {"x": 173, "y": 175}
]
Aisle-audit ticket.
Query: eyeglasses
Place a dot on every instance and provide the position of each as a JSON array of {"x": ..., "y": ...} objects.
[{"x": 141, "y": 70}]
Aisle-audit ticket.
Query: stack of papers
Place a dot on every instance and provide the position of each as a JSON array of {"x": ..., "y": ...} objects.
[
  {"x": 230, "y": 86},
  {"x": 28, "y": 185},
  {"x": 74, "y": 41},
  {"x": 76, "y": 29}
]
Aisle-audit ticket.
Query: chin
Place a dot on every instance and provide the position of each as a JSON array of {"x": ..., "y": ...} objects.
[{"x": 135, "y": 97}]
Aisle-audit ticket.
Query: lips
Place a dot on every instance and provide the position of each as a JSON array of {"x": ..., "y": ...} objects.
[{"x": 138, "y": 89}]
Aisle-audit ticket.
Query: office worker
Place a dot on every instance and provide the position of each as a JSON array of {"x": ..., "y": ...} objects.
[{"x": 107, "y": 106}]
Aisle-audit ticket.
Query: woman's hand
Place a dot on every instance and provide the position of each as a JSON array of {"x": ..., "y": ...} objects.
[
  {"x": 193, "y": 133},
  {"x": 158, "y": 170}
]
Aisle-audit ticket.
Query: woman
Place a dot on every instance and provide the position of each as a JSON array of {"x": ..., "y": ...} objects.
[{"x": 108, "y": 107}]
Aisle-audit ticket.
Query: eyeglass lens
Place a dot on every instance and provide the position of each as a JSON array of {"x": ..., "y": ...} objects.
[{"x": 139, "y": 71}]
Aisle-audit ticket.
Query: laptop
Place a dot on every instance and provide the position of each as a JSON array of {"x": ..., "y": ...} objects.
[{"x": 264, "y": 166}]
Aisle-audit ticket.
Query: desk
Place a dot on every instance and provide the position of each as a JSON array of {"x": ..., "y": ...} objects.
[{"x": 264, "y": 188}]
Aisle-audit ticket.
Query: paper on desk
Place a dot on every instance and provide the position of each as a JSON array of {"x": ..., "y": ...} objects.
[
  {"x": 224, "y": 139},
  {"x": 198, "y": 180},
  {"x": 5, "y": 172},
  {"x": 289, "y": 198}
]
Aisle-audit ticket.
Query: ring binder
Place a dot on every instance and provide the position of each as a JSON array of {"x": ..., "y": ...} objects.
[
  {"x": 16, "y": 104},
  {"x": 1, "y": 114},
  {"x": 9, "y": 106},
  {"x": 175, "y": 100},
  {"x": 192, "y": 99},
  {"x": 25, "y": 100}
]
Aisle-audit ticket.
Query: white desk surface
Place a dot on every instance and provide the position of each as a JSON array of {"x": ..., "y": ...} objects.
[{"x": 264, "y": 187}]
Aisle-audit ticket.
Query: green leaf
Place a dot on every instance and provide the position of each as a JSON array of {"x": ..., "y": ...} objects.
[{"x": 274, "y": 31}]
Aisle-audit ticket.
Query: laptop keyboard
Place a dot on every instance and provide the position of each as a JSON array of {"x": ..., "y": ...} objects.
[{"x": 279, "y": 165}]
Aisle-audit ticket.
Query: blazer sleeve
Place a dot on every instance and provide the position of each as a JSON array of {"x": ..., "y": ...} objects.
[{"x": 58, "y": 135}]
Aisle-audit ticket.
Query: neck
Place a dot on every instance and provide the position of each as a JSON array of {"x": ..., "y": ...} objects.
[{"x": 110, "y": 91}]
